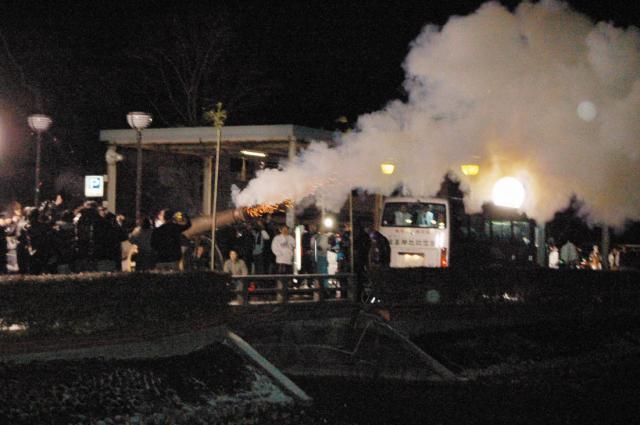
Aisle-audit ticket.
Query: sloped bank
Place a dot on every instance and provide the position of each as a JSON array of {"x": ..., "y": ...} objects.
[{"x": 132, "y": 349}]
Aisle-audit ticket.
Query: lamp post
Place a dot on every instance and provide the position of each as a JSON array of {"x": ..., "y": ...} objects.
[
  {"x": 387, "y": 168},
  {"x": 217, "y": 116},
  {"x": 138, "y": 121},
  {"x": 38, "y": 123}
]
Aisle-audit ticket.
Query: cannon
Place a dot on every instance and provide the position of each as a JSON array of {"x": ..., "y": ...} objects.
[{"x": 202, "y": 224}]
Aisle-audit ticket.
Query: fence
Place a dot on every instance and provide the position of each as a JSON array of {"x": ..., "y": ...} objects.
[{"x": 285, "y": 288}]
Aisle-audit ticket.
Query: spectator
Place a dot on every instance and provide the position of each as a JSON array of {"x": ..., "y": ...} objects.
[
  {"x": 321, "y": 245},
  {"x": 64, "y": 240},
  {"x": 109, "y": 237},
  {"x": 554, "y": 257},
  {"x": 4, "y": 222},
  {"x": 595, "y": 260},
  {"x": 235, "y": 265},
  {"x": 141, "y": 237},
  {"x": 569, "y": 255},
  {"x": 12, "y": 230},
  {"x": 87, "y": 221},
  {"x": 308, "y": 249},
  {"x": 402, "y": 217},
  {"x": 380, "y": 252},
  {"x": 244, "y": 243},
  {"x": 202, "y": 255},
  {"x": 614, "y": 259},
  {"x": 260, "y": 240},
  {"x": 39, "y": 234},
  {"x": 269, "y": 258},
  {"x": 283, "y": 247},
  {"x": 166, "y": 240},
  {"x": 361, "y": 247}
]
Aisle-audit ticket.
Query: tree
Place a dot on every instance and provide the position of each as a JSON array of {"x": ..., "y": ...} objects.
[
  {"x": 190, "y": 65},
  {"x": 571, "y": 223}
]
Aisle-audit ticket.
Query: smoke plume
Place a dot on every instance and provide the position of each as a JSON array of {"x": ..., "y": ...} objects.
[{"x": 541, "y": 93}]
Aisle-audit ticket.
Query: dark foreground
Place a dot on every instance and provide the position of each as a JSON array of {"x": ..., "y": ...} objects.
[
  {"x": 598, "y": 391},
  {"x": 555, "y": 372}
]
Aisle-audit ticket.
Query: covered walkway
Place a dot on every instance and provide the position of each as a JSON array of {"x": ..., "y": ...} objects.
[{"x": 247, "y": 142}]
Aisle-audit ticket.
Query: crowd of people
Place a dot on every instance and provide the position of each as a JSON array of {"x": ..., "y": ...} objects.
[
  {"x": 263, "y": 247},
  {"x": 571, "y": 256},
  {"x": 56, "y": 239}
]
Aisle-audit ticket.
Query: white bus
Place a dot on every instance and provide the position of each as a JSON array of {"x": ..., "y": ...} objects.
[{"x": 418, "y": 231}]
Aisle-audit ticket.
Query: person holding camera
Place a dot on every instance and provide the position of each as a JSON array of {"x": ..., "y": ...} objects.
[{"x": 166, "y": 239}]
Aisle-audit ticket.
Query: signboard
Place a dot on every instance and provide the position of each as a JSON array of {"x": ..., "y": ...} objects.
[{"x": 94, "y": 186}]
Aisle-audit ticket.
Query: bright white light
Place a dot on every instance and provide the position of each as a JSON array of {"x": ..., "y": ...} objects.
[
  {"x": 587, "y": 110},
  {"x": 253, "y": 153},
  {"x": 328, "y": 222},
  {"x": 39, "y": 122},
  {"x": 139, "y": 120},
  {"x": 508, "y": 192}
]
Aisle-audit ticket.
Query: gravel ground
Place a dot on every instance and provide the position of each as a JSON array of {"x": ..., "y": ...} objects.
[{"x": 213, "y": 385}]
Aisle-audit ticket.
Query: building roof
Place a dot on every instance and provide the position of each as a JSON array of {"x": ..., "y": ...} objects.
[{"x": 270, "y": 139}]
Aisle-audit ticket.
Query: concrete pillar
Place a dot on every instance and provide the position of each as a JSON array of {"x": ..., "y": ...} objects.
[
  {"x": 243, "y": 170},
  {"x": 112, "y": 157},
  {"x": 541, "y": 245},
  {"x": 207, "y": 173},
  {"x": 606, "y": 241},
  {"x": 377, "y": 211},
  {"x": 291, "y": 215}
]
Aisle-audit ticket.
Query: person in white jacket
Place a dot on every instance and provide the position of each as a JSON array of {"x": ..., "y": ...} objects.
[{"x": 283, "y": 247}]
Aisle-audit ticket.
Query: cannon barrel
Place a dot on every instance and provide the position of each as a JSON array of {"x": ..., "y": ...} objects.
[{"x": 202, "y": 224}]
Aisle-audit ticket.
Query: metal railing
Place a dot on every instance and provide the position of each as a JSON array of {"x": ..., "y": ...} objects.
[{"x": 285, "y": 288}]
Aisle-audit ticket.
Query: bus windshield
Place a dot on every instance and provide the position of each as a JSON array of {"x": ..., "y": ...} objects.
[{"x": 414, "y": 214}]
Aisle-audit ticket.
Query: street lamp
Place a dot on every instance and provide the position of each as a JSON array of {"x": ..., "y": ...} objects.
[
  {"x": 387, "y": 168},
  {"x": 218, "y": 117},
  {"x": 38, "y": 123},
  {"x": 470, "y": 169},
  {"x": 139, "y": 121}
]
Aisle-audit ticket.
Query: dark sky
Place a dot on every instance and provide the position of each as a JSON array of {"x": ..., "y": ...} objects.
[{"x": 318, "y": 60}]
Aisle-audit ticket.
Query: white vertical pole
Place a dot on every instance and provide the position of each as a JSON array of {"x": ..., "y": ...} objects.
[
  {"x": 291, "y": 216},
  {"x": 112, "y": 175}
]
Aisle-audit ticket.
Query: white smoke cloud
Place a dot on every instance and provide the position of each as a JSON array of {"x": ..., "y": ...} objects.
[{"x": 542, "y": 94}]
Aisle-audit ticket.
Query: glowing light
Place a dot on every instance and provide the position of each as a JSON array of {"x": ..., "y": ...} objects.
[
  {"x": 253, "y": 153},
  {"x": 587, "y": 110},
  {"x": 328, "y": 222},
  {"x": 263, "y": 209},
  {"x": 508, "y": 192},
  {"x": 387, "y": 168},
  {"x": 470, "y": 169},
  {"x": 139, "y": 120},
  {"x": 39, "y": 122}
]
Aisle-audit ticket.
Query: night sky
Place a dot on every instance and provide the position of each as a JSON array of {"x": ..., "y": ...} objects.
[{"x": 296, "y": 62}]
